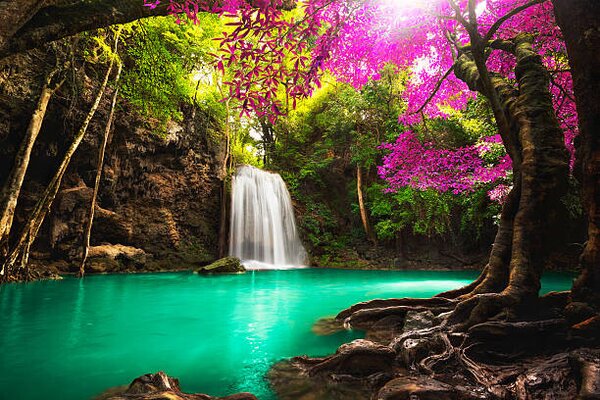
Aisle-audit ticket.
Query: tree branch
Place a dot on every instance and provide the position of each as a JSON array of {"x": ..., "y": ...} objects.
[
  {"x": 510, "y": 14},
  {"x": 435, "y": 90},
  {"x": 58, "y": 21}
]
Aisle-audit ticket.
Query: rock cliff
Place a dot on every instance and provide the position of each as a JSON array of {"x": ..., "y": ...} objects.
[{"x": 160, "y": 192}]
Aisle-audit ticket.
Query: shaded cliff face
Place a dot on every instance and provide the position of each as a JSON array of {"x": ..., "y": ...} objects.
[{"x": 159, "y": 194}]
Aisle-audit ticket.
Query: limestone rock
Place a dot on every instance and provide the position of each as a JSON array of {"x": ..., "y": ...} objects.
[
  {"x": 359, "y": 358},
  {"x": 161, "y": 386},
  {"x": 416, "y": 387},
  {"x": 577, "y": 312},
  {"x": 226, "y": 265},
  {"x": 115, "y": 258},
  {"x": 327, "y": 326},
  {"x": 419, "y": 320}
]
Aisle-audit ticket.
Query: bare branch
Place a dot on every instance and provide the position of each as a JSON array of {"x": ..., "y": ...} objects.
[
  {"x": 435, "y": 90},
  {"x": 472, "y": 13},
  {"x": 509, "y": 15}
]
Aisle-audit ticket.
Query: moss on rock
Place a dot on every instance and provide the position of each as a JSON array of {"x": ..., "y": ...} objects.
[{"x": 226, "y": 265}]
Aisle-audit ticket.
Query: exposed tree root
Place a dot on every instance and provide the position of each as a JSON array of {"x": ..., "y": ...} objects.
[{"x": 496, "y": 359}]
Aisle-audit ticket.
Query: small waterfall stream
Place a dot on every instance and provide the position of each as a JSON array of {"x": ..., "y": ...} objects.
[{"x": 263, "y": 229}]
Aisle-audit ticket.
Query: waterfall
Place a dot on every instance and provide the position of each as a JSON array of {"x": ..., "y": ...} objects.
[{"x": 263, "y": 229}]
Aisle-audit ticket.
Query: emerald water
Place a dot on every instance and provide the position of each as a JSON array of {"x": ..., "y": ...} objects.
[{"x": 72, "y": 339}]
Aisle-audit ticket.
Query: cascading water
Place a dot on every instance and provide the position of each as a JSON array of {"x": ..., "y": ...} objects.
[{"x": 263, "y": 229}]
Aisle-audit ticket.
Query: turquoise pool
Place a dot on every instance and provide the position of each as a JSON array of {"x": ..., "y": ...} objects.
[{"x": 72, "y": 339}]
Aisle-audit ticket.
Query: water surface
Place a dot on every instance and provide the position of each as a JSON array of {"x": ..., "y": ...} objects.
[{"x": 72, "y": 339}]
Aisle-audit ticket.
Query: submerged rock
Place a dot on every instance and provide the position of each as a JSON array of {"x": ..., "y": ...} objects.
[
  {"x": 161, "y": 386},
  {"x": 226, "y": 265},
  {"x": 327, "y": 326}
]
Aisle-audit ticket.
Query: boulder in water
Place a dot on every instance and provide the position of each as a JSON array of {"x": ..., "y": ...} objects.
[
  {"x": 161, "y": 386},
  {"x": 226, "y": 265},
  {"x": 116, "y": 258}
]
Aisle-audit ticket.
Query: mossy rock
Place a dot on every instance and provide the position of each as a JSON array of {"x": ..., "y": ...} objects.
[{"x": 227, "y": 265}]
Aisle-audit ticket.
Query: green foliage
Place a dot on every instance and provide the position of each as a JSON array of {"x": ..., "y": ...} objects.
[
  {"x": 338, "y": 129},
  {"x": 429, "y": 212},
  {"x": 164, "y": 63}
]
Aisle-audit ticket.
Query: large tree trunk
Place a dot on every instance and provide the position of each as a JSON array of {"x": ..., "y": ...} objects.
[
  {"x": 51, "y": 20},
  {"x": 9, "y": 195},
  {"x": 87, "y": 233},
  {"x": 544, "y": 172},
  {"x": 224, "y": 198},
  {"x": 30, "y": 24},
  {"x": 36, "y": 218},
  {"x": 579, "y": 21},
  {"x": 527, "y": 231}
]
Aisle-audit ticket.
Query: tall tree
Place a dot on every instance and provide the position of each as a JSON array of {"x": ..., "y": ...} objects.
[
  {"x": 19, "y": 252},
  {"x": 9, "y": 194},
  {"x": 579, "y": 21},
  {"x": 496, "y": 51}
]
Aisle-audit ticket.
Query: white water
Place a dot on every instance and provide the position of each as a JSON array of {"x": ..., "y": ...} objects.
[{"x": 263, "y": 230}]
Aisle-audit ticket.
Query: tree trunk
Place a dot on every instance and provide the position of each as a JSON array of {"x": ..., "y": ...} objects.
[
  {"x": 53, "y": 20},
  {"x": 37, "y": 24},
  {"x": 36, "y": 218},
  {"x": 9, "y": 195},
  {"x": 528, "y": 230},
  {"x": 223, "y": 220},
  {"x": 544, "y": 173},
  {"x": 224, "y": 172},
  {"x": 364, "y": 216},
  {"x": 579, "y": 21},
  {"x": 88, "y": 228},
  {"x": 268, "y": 141}
]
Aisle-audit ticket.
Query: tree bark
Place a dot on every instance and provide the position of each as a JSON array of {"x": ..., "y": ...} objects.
[
  {"x": 544, "y": 173},
  {"x": 495, "y": 275},
  {"x": 9, "y": 195},
  {"x": 364, "y": 216},
  {"x": 41, "y": 22},
  {"x": 56, "y": 21},
  {"x": 32, "y": 226},
  {"x": 88, "y": 228},
  {"x": 579, "y": 21},
  {"x": 527, "y": 228}
]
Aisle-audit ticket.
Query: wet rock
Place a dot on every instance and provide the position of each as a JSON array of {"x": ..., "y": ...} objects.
[
  {"x": 417, "y": 387},
  {"x": 116, "y": 258},
  {"x": 557, "y": 300},
  {"x": 587, "y": 365},
  {"x": 327, "y": 326},
  {"x": 226, "y": 265},
  {"x": 412, "y": 350},
  {"x": 290, "y": 381},
  {"x": 549, "y": 378},
  {"x": 419, "y": 320},
  {"x": 384, "y": 330},
  {"x": 358, "y": 358},
  {"x": 576, "y": 312},
  {"x": 160, "y": 386}
]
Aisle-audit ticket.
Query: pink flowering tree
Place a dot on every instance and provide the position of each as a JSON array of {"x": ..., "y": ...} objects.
[
  {"x": 503, "y": 52},
  {"x": 510, "y": 52}
]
